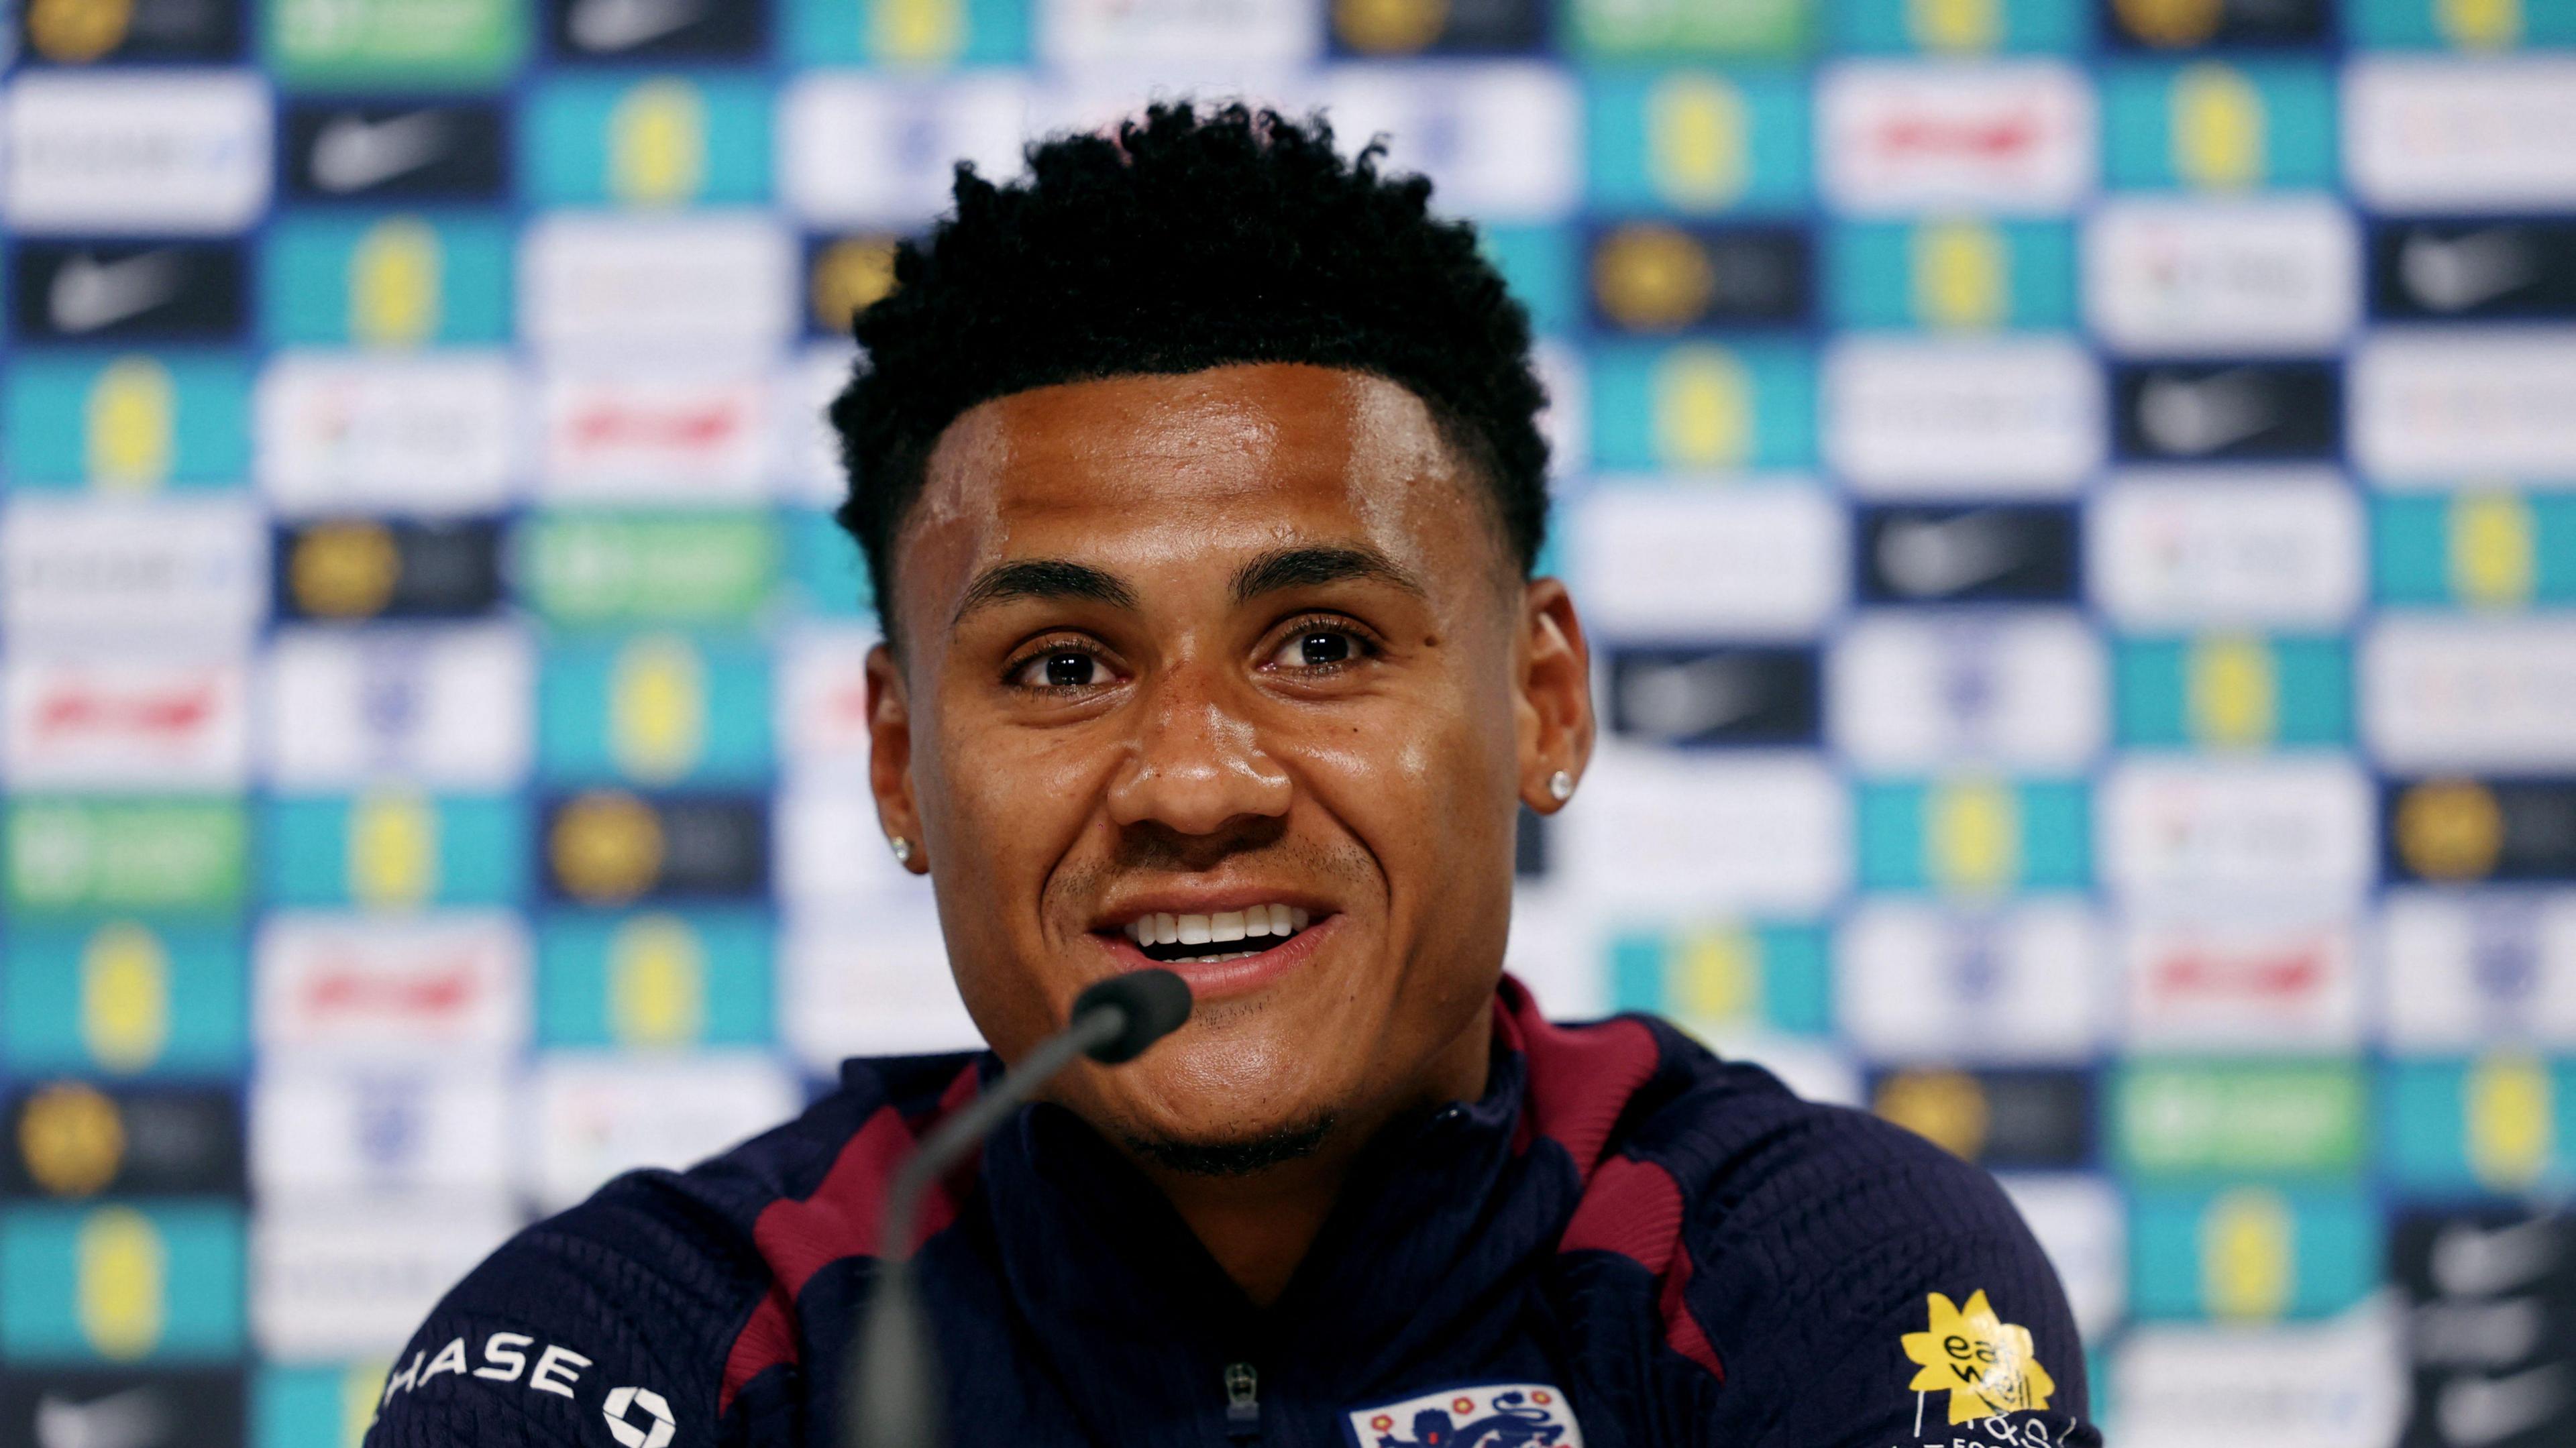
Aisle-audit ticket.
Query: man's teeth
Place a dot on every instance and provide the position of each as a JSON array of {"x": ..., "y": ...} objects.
[{"x": 1224, "y": 927}]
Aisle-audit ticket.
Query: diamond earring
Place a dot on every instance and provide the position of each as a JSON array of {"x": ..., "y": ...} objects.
[
  {"x": 902, "y": 849},
  {"x": 1560, "y": 786}
]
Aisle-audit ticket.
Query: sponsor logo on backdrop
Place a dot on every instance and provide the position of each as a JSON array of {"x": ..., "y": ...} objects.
[
  {"x": 2454, "y": 830},
  {"x": 2451, "y": 403},
  {"x": 1913, "y": 693},
  {"x": 2206, "y": 832},
  {"x": 805, "y": 453},
  {"x": 82, "y": 32},
  {"x": 420, "y": 151},
  {"x": 444, "y": 708},
  {"x": 2212, "y": 412},
  {"x": 2199, "y": 1121},
  {"x": 2460, "y": 971},
  {"x": 683, "y": 282},
  {"x": 433, "y": 434},
  {"x": 2473, "y": 270},
  {"x": 174, "y": 151},
  {"x": 2321, "y": 1384},
  {"x": 146, "y": 291},
  {"x": 74, "y": 1407},
  {"x": 1499, "y": 140},
  {"x": 2199, "y": 277},
  {"x": 868, "y": 975},
  {"x": 595, "y": 1117},
  {"x": 2028, "y": 1118},
  {"x": 1076, "y": 34},
  {"x": 371, "y": 989},
  {"x": 75, "y": 1139},
  {"x": 653, "y": 437},
  {"x": 831, "y": 848},
  {"x": 2241, "y": 547},
  {"x": 2079, "y": 1223},
  {"x": 582, "y": 568},
  {"x": 1714, "y": 695},
  {"x": 1749, "y": 831},
  {"x": 331, "y": 1281},
  {"x": 1919, "y": 983},
  {"x": 1758, "y": 562},
  {"x": 1406, "y": 27},
  {"x": 2012, "y": 137},
  {"x": 95, "y": 721},
  {"x": 346, "y": 44},
  {"x": 362, "y": 568},
  {"x": 2439, "y": 692},
  {"x": 863, "y": 151},
  {"x": 1906, "y": 418},
  {"x": 324, "y": 1131},
  {"x": 84, "y": 571},
  {"x": 2493, "y": 1304},
  {"x": 2497, "y": 133},
  {"x": 91, "y": 854},
  {"x": 2007, "y": 553},
  {"x": 823, "y": 702},
  {"x": 1656, "y": 278},
  {"x": 656, "y": 29},
  {"x": 610, "y": 847},
  {"x": 2251, "y": 984},
  {"x": 2163, "y": 25}
]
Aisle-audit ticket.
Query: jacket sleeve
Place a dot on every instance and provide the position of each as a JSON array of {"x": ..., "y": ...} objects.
[
  {"x": 606, "y": 1325},
  {"x": 1872, "y": 1291}
]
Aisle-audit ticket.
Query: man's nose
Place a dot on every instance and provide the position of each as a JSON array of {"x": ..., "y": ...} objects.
[{"x": 1196, "y": 762}]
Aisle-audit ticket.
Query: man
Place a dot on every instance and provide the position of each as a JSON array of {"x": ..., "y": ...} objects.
[{"x": 1201, "y": 485}]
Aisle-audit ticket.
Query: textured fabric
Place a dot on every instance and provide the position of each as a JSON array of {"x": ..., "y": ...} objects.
[{"x": 1660, "y": 1247}]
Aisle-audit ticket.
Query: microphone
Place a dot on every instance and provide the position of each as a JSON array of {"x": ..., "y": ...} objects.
[{"x": 891, "y": 1387}]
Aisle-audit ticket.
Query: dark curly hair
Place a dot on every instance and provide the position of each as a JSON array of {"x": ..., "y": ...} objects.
[{"x": 1189, "y": 240}]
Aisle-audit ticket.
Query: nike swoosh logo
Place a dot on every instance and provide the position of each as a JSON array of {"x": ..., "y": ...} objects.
[
  {"x": 134, "y": 1418},
  {"x": 1929, "y": 560},
  {"x": 89, "y": 294},
  {"x": 2475, "y": 1411},
  {"x": 1680, "y": 700},
  {"x": 2466, "y": 271},
  {"x": 352, "y": 153},
  {"x": 611, "y": 25},
  {"x": 2203, "y": 416},
  {"x": 2472, "y": 1261}
]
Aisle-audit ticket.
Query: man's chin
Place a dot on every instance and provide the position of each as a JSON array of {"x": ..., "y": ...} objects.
[{"x": 1233, "y": 1156}]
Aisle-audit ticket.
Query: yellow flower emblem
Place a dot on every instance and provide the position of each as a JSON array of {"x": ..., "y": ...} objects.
[{"x": 1987, "y": 1365}]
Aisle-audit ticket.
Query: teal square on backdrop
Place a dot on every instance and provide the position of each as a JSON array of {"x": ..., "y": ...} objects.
[
  {"x": 2219, "y": 126},
  {"x": 907, "y": 35},
  {"x": 655, "y": 979},
  {"x": 2310, "y": 705},
  {"x": 1703, "y": 406},
  {"x": 2304, "y": 1252},
  {"x": 2439, "y": 25},
  {"x": 1794, "y": 961},
  {"x": 655, "y": 709},
  {"x": 825, "y": 568},
  {"x": 2011, "y": 26},
  {"x": 393, "y": 280},
  {"x": 652, "y": 140},
  {"x": 1875, "y": 275},
  {"x": 1543, "y": 267},
  {"x": 143, "y": 1281},
  {"x": 125, "y": 998},
  {"x": 2434, "y": 1142},
  {"x": 444, "y": 850},
  {"x": 1698, "y": 142},
  {"x": 127, "y": 419}
]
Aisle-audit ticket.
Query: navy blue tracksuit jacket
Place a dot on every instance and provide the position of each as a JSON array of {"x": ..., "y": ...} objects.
[{"x": 1626, "y": 1243}]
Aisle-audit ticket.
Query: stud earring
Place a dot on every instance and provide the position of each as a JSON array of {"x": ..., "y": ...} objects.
[
  {"x": 902, "y": 849},
  {"x": 1560, "y": 786}
]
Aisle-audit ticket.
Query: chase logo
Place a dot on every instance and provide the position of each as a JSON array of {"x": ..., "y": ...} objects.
[
  {"x": 2251, "y": 1253},
  {"x": 84, "y": 32},
  {"x": 2439, "y": 271},
  {"x": 2213, "y": 126},
  {"x": 391, "y": 281},
  {"x": 1974, "y": 836},
  {"x": 397, "y": 568},
  {"x": 428, "y": 151},
  {"x": 1702, "y": 405},
  {"x": 2269, "y": 411},
  {"x": 1721, "y": 979},
  {"x": 161, "y": 1283},
  {"x": 2456, "y": 830},
  {"x": 1653, "y": 277},
  {"x": 655, "y": 29},
  {"x": 157, "y": 291},
  {"x": 2190, "y": 24},
  {"x": 659, "y": 141},
  {"x": 2232, "y": 691},
  {"x": 656, "y": 980},
  {"x": 1440, "y": 27},
  {"x": 609, "y": 847},
  {"x": 127, "y": 423},
  {"x": 655, "y": 709},
  {"x": 393, "y": 850},
  {"x": 73, "y": 1139},
  {"x": 2018, "y": 553},
  {"x": 1951, "y": 274},
  {"x": 1715, "y": 696},
  {"x": 2498, "y": 1123},
  {"x": 125, "y": 998},
  {"x": 1697, "y": 142}
]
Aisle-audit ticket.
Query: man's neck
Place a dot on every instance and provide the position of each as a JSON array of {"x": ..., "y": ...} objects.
[{"x": 1259, "y": 1225}]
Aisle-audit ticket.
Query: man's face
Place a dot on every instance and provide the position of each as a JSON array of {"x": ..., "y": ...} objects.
[{"x": 1234, "y": 645}]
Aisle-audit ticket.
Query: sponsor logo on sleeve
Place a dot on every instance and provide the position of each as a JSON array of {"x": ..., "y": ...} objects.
[{"x": 1978, "y": 1364}]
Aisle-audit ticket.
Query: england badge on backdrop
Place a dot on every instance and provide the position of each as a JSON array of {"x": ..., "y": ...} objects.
[{"x": 1494, "y": 1415}]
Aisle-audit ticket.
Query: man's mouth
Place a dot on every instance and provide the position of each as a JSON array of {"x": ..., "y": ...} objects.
[{"x": 1224, "y": 935}]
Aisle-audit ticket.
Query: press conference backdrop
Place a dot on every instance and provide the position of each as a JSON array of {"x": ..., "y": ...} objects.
[{"x": 2072, "y": 501}]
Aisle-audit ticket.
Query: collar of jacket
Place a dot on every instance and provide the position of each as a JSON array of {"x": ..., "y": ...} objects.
[{"x": 1443, "y": 1217}]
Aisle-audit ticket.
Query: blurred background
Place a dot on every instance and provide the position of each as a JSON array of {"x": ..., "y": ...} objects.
[{"x": 2072, "y": 499}]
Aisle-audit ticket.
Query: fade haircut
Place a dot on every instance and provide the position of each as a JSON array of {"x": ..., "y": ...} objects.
[{"x": 1184, "y": 241}]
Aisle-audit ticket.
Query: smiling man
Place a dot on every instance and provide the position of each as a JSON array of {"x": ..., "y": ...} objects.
[{"x": 1201, "y": 485}]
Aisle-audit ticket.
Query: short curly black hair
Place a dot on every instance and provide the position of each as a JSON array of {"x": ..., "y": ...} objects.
[{"x": 1187, "y": 240}]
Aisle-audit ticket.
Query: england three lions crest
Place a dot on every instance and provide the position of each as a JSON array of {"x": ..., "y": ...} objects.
[{"x": 1494, "y": 1415}]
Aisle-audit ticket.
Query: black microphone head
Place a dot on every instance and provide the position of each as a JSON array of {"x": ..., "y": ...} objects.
[{"x": 1153, "y": 1002}]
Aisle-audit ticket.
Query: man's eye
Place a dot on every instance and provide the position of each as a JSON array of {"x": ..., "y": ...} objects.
[
  {"x": 1318, "y": 648},
  {"x": 1061, "y": 669}
]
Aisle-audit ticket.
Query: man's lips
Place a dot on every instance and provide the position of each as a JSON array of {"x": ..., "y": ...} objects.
[{"x": 1221, "y": 979}]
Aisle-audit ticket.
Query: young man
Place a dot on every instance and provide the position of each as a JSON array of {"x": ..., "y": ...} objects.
[{"x": 1201, "y": 485}]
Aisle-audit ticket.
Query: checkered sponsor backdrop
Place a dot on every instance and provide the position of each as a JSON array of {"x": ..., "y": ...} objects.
[{"x": 2076, "y": 505}]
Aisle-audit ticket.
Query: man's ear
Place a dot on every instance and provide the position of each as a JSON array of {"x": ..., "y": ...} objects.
[
  {"x": 890, "y": 759},
  {"x": 1553, "y": 704}
]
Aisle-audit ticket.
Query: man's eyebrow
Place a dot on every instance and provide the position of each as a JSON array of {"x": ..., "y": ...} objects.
[
  {"x": 1043, "y": 578},
  {"x": 1313, "y": 564}
]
